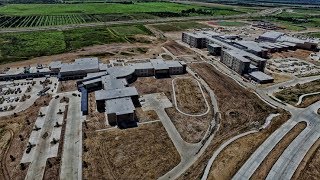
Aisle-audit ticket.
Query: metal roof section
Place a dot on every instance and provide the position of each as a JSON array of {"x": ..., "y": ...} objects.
[
  {"x": 119, "y": 106},
  {"x": 239, "y": 55},
  {"x": 120, "y": 71},
  {"x": 159, "y": 64},
  {"x": 272, "y": 35},
  {"x": 113, "y": 83},
  {"x": 260, "y": 76},
  {"x": 173, "y": 64},
  {"x": 116, "y": 93},
  {"x": 55, "y": 65},
  {"x": 82, "y": 64},
  {"x": 251, "y": 45},
  {"x": 140, "y": 66}
]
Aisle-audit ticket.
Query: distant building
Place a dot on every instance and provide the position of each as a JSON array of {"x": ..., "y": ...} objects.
[{"x": 279, "y": 37}]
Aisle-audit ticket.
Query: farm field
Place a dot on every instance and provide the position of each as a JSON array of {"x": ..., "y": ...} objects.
[
  {"x": 179, "y": 26},
  {"x": 22, "y": 46},
  {"x": 36, "y": 15}
]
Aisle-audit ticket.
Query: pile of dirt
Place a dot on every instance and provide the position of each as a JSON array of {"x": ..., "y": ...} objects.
[{"x": 176, "y": 49}]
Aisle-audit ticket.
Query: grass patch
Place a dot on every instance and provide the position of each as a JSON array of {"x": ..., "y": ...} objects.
[
  {"x": 91, "y": 8},
  {"x": 22, "y": 46},
  {"x": 179, "y": 26},
  {"x": 231, "y": 23},
  {"x": 291, "y": 95},
  {"x": 19, "y": 46}
]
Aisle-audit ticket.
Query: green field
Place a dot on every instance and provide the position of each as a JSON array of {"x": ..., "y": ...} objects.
[
  {"x": 91, "y": 8},
  {"x": 230, "y": 23},
  {"x": 314, "y": 34},
  {"x": 179, "y": 26},
  {"x": 295, "y": 21},
  {"x": 21, "y": 46},
  {"x": 34, "y": 15}
]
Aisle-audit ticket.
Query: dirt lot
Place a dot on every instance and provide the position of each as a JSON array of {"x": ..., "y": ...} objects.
[
  {"x": 235, "y": 155},
  {"x": 278, "y": 78},
  {"x": 145, "y": 116},
  {"x": 149, "y": 85},
  {"x": 273, "y": 156},
  {"x": 189, "y": 96},
  {"x": 299, "y": 53},
  {"x": 240, "y": 109},
  {"x": 176, "y": 49},
  {"x": 19, "y": 125},
  {"x": 66, "y": 86},
  {"x": 95, "y": 120},
  {"x": 134, "y": 157},
  {"x": 191, "y": 129},
  {"x": 291, "y": 95},
  {"x": 309, "y": 167}
]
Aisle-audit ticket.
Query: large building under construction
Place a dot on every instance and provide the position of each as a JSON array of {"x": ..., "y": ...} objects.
[{"x": 245, "y": 57}]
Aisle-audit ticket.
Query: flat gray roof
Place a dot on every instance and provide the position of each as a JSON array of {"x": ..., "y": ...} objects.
[
  {"x": 171, "y": 64},
  {"x": 260, "y": 76},
  {"x": 120, "y": 71},
  {"x": 113, "y": 83},
  {"x": 272, "y": 35},
  {"x": 146, "y": 65},
  {"x": 116, "y": 93},
  {"x": 119, "y": 106},
  {"x": 81, "y": 65},
  {"x": 159, "y": 64},
  {"x": 55, "y": 64},
  {"x": 251, "y": 45}
]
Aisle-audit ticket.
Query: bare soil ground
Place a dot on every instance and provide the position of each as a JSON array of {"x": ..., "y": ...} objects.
[
  {"x": 191, "y": 129},
  {"x": 134, "y": 157},
  {"x": 189, "y": 96},
  {"x": 95, "y": 120},
  {"x": 230, "y": 160},
  {"x": 149, "y": 85},
  {"x": 278, "y": 78},
  {"x": 145, "y": 116},
  {"x": 176, "y": 49},
  {"x": 291, "y": 94},
  {"x": 299, "y": 53},
  {"x": 241, "y": 111},
  {"x": 307, "y": 101},
  {"x": 66, "y": 86},
  {"x": 273, "y": 156},
  {"x": 18, "y": 125},
  {"x": 309, "y": 167}
]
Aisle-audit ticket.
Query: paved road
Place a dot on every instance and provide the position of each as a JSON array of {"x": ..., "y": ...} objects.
[
  {"x": 71, "y": 167},
  {"x": 290, "y": 159},
  {"x": 301, "y": 144},
  {"x": 160, "y": 20}
]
